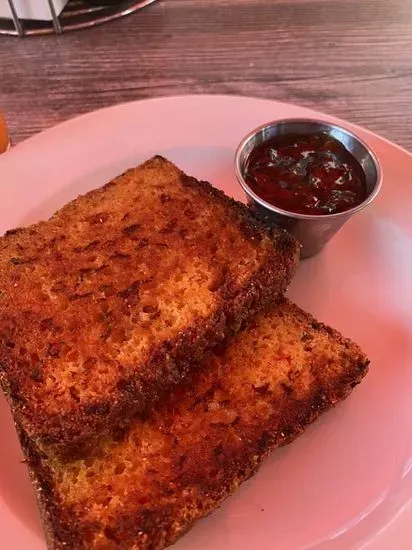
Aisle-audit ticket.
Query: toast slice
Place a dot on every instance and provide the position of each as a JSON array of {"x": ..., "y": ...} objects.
[
  {"x": 147, "y": 486},
  {"x": 112, "y": 300}
]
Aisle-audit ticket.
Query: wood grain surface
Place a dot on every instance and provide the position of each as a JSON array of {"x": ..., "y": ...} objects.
[{"x": 350, "y": 58}]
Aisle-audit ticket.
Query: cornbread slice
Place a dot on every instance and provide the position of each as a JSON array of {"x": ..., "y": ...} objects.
[
  {"x": 111, "y": 300},
  {"x": 147, "y": 486}
]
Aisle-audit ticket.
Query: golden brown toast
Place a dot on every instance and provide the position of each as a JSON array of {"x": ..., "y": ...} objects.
[
  {"x": 147, "y": 486},
  {"x": 112, "y": 300}
]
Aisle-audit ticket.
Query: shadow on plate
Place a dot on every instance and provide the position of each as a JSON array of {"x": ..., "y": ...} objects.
[{"x": 15, "y": 487}]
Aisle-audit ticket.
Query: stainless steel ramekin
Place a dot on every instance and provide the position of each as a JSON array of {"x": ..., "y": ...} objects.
[{"x": 312, "y": 231}]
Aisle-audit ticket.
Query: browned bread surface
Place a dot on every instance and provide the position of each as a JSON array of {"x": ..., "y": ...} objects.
[
  {"x": 145, "y": 488},
  {"x": 112, "y": 299}
]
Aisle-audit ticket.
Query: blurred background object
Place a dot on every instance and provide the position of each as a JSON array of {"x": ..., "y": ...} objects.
[
  {"x": 4, "y": 135},
  {"x": 33, "y": 17},
  {"x": 30, "y": 9}
]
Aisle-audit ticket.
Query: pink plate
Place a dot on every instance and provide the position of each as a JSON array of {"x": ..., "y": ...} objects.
[{"x": 347, "y": 482}]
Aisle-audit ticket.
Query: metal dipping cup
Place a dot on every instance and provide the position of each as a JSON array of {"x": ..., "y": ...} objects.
[{"x": 312, "y": 231}]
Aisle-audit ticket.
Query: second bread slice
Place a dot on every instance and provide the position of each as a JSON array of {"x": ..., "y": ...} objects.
[{"x": 147, "y": 486}]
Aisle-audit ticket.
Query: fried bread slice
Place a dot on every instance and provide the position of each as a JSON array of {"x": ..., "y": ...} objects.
[
  {"x": 146, "y": 487},
  {"x": 111, "y": 301}
]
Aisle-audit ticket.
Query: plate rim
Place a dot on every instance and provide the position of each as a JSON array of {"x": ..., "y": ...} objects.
[{"x": 166, "y": 98}]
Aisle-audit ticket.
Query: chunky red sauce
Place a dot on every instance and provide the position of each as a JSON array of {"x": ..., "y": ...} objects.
[{"x": 307, "y": 174}]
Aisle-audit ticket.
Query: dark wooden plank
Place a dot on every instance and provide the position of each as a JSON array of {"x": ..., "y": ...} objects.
[{"x": 351, "y": 58}]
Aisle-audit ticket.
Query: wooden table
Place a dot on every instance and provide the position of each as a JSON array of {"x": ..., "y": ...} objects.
[{"x": 350, "y": 58}]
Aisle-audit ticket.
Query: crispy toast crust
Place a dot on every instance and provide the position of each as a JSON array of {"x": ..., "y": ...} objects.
[
  {"x": 57, "y": 340},
  {"x": 214, "y": 433}
]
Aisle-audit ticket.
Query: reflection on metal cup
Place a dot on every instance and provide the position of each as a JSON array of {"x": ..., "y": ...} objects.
[
  {"x": 312, "y": 234},
  {"x": 313, "y": 231}
]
